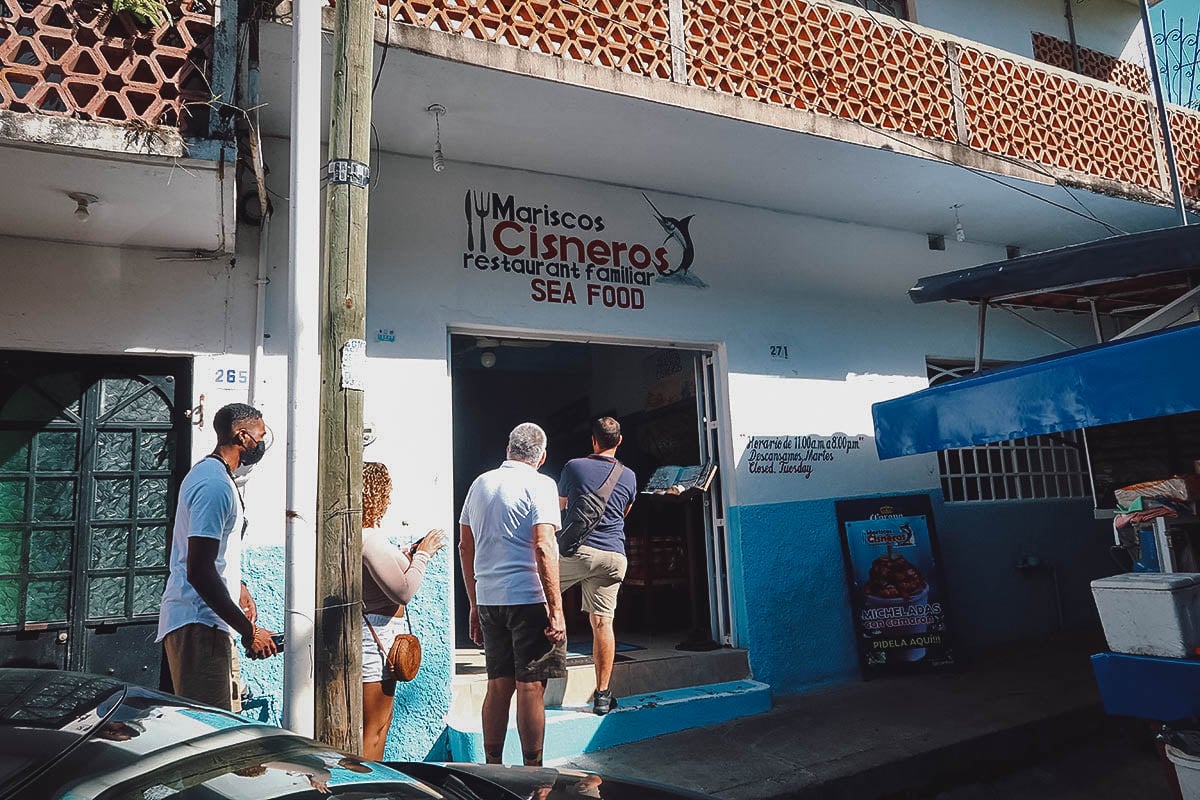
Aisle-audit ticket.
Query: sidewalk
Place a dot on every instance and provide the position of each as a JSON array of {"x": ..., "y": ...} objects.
[{"x": 886, "y": 737}]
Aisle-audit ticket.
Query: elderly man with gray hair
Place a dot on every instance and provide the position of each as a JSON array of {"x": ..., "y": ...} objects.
[{"x": 510, "y": 568}]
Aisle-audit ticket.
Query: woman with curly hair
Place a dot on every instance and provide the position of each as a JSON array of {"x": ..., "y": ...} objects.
[{"x": 391, "y": 576}]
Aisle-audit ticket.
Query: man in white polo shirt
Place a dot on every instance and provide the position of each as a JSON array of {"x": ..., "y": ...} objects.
[{"x": 510, "y": 568}]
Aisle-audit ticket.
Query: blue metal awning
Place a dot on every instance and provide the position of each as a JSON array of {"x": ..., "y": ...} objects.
[{"x": 1137, "y": 378}]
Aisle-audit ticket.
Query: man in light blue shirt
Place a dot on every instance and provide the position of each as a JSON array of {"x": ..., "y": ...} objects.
[
  {"x": 200, "y": 610},
  {"x": 510, "y": 568}
]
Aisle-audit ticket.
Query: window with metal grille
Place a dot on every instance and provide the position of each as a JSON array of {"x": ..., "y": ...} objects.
[
  {"x": 895, "y": 8},
  {"x": 1033, "y": 468}
]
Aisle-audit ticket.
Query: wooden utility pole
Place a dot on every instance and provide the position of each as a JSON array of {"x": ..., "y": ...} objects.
[{"x": 338, "y": 674}]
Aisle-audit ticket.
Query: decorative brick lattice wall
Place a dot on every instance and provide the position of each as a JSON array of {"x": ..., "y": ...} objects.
[
  {"x": 1093, "y": 63},
  {"x": 74, "y": 58},
  {"x": 1185, "y": 134},
  {"x": 815, "y": 57},
  {"x": 836, "y": 60},
  {"x": 1014, "y": 109},
  {"x": 629, "y": 35}
]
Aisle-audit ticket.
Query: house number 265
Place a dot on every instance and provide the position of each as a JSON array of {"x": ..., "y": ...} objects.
[{"x": 232, "y": 376}]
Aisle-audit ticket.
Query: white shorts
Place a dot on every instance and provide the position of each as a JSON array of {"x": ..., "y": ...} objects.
[{"x": 373, "y": 667}]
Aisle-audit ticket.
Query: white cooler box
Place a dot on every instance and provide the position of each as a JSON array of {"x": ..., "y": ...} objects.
[
  {"x": 1187, "y": 771},
  {"x": 1150, "y": 613}
]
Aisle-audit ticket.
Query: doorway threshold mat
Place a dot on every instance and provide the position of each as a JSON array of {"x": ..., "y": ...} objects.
[{"x": 584, "y": 648}]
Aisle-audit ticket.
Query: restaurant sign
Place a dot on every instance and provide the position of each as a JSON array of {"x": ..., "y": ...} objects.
[{"x": 572, "y": 256}]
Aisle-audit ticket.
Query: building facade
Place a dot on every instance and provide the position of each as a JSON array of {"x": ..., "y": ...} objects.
[{"x": 699, "y": 217}]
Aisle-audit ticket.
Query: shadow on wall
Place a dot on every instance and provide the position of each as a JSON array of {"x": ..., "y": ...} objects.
[
  {"x": 421, "y": 705},
  {"x": 995, "y": 596}
]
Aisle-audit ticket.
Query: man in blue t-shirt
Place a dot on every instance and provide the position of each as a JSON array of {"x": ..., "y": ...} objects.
[{"x": 599, "y": 565}]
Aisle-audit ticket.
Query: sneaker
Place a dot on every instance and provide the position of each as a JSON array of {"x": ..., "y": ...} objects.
[{"x": 603, "y": 702}]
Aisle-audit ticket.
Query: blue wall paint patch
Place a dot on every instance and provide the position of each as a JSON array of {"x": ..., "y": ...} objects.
[
  {"x": 796, "y": 625},
  {"x": 262, "y": 570},
  {"x": 421, "y": 705}
]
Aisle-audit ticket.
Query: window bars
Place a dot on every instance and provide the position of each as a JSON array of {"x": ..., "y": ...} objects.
[{"x": 1050, "y": 466}]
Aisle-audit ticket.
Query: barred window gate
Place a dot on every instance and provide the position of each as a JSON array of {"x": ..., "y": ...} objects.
[{"x": 1032, "y": 468}]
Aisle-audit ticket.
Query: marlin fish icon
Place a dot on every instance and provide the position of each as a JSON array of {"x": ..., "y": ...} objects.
[{"x": 676, "y": 229}]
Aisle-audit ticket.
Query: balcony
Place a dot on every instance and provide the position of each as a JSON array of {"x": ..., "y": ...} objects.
[
  {"x": 836, "y": 60},
  {"x": 84, "y": 90}
]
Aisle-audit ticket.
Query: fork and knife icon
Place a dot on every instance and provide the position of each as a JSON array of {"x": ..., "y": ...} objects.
[{"x": 476, "y": 204}]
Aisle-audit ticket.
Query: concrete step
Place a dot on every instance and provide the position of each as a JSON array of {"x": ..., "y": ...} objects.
[
  {"x": 646, "y": 672},
  {"x": 573, "y": 730}
]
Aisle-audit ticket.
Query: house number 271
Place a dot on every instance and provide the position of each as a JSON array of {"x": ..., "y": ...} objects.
[{"x": 779, "y": 351}]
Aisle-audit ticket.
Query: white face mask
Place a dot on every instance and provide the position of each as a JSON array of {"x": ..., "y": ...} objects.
[{"x": 241, "y": 474}]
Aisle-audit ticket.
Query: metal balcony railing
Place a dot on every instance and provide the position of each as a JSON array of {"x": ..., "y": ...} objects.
[
  {"x": 77, "y": 59},
  {"x": 836, "y": 59}
]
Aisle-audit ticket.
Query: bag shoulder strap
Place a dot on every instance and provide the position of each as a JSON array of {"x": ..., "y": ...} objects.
[
  {"x": 606, "y": 489},
  {"x": 375, "y": 635},
  {"x": 371, "y": 628}
]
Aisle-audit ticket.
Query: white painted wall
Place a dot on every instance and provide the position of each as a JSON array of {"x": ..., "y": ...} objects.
[
  {"x": 833, "y": 293},
  {"x": 1110, "y": 26}
]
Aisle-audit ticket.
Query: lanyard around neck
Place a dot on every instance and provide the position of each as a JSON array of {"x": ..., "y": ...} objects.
[{"x": 229, "y": 472}]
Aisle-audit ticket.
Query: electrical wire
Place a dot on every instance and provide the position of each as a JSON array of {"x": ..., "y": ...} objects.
[
  {"x": 1086, "y": 214},
  {"x": 377, "y": 173},
  {"x": 387, "y": 45}
]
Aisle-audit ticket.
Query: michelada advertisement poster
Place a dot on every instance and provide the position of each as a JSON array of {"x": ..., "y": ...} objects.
[{"x": 899, "y": 603}]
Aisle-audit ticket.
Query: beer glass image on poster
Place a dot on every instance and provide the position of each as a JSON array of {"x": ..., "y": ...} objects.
[{"x": 899, "y": 607}]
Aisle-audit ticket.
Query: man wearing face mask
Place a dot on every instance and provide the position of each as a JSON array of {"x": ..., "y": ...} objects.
[{"x": 200, "y": 611}]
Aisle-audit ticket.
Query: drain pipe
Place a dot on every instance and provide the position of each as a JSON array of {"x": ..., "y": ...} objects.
[
  {"x": 251, "y": 81},
  {"x": 260, "y": 310},
  {"x": 304, "y": 369},
  {"x": 1071, "y": 33},
  {"x": 1031, "y": 563}
]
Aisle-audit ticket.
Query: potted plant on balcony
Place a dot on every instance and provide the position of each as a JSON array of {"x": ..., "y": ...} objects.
[{"x": 151, "y": 13}]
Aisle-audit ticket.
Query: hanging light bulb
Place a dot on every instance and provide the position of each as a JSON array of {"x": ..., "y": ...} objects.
[
  {"x": 959, "y": 234},
  {"x": 439, "y": 160},
  {"x": 83, "y": 201}
]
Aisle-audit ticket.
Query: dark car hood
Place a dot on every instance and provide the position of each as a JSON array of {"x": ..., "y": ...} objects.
[
  {"x": 91, "y": 736},
  {"x": 44, "y": 714},
  {"x": 51, "y": 718}
]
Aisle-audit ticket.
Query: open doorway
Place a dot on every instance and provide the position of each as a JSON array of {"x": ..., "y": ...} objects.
[{"x": 673, "y": 595}]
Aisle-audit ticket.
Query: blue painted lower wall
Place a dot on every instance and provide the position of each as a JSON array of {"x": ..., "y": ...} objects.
[
  {"x": 792, "y": 606},
  {"x": 418, "y": 730}
]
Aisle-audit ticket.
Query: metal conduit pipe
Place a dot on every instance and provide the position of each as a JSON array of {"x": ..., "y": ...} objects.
[
  {"x": 260, "y": 310},
  {"x": 304, "y": 373}
]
